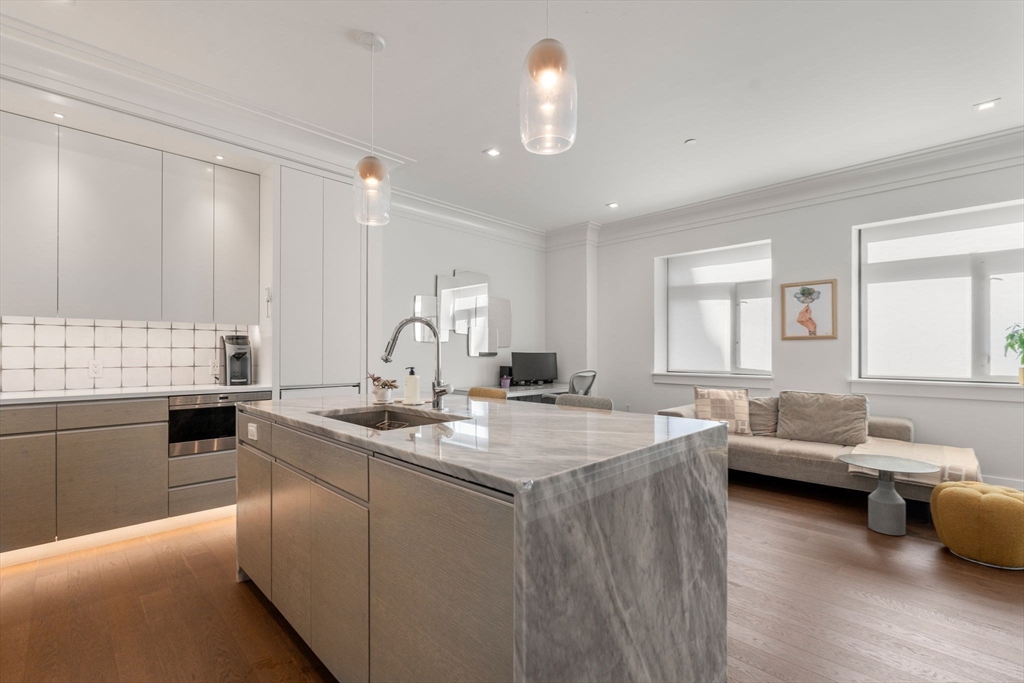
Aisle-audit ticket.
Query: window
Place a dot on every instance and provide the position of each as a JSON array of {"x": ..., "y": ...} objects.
[
  {"x": 720, "y": 310},
  {"x": 939, "y": 291}
]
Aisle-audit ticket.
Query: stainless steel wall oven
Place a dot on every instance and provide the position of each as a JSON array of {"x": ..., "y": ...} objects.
[{"x": 205, "y": 423}]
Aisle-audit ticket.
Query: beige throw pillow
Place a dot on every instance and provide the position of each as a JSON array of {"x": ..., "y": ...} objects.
[
  {"x": 764, "y": 416},
  {"x": 825, "y": 418},
  {"x": 724, "y": 405}
]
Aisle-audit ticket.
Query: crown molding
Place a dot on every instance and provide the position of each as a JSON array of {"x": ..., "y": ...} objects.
[
  {"x": 578, "y": 235},
  {"x": 1003, "y": 149}
]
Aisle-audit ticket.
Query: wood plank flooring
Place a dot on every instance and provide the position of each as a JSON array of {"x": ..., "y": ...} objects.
[{"x": 813, "y": 596}]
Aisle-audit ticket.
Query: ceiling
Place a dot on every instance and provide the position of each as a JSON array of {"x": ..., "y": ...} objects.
[{"x": 772, "y": 91}]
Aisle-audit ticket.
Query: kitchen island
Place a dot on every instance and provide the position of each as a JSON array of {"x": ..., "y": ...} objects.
[{"x": 494, "y": 541}]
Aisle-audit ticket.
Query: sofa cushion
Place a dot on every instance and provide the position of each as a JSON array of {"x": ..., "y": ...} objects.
[
  {"x": 812, "y": 450},
  {"x": 825, "y": 418},
  {"x": 764, "y": 416},
  {"x": 754, "y": 445},
  {"x": 724, "y": 405}
]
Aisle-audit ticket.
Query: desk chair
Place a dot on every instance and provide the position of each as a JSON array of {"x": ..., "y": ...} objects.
[
  {"x": 580, "y": 384},
  {"x": 488, "y": 392}
]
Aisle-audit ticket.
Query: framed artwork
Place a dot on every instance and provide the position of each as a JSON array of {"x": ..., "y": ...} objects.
[{"x": 809, "y": 310}]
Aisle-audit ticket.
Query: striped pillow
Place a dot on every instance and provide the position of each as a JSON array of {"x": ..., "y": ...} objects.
[{"x": 724, "y": 405}]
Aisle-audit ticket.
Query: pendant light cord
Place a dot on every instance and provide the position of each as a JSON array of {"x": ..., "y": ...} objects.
[
  {"x": 372, "y": 50},
  {"x": 547, "y": 18}
]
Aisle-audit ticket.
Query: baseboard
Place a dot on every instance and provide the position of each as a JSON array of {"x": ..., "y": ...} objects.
[
  {"x": 71, "y": 545},
  {"x": 1003, "y": 481}
]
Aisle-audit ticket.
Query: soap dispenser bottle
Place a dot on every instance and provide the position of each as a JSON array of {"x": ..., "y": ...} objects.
[{"x": 412, "y": 387}]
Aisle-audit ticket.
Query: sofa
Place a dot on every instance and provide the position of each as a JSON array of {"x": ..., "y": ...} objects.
[{"x": 818, "y": 463}]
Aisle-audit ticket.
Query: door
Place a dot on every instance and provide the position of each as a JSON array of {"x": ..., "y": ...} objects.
[
  {"x": 28, "y": 216},
  {"x": 290, "y": 562},
  {"x": 253, "y": 521},
  {"x": 236, "y": 248},
  {"x": 187, "y": 240},
  {"x": 28, "y": 490},
  {"x": 343, "y": 278}
]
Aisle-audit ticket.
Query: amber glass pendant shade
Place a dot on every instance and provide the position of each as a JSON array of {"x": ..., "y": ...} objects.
[
  {"x": 372, "y": 192},
  {"x": 547, "y": 99}
]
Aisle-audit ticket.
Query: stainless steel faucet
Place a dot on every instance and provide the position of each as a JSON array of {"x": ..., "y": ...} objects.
[{"x": 439, "y": 387}]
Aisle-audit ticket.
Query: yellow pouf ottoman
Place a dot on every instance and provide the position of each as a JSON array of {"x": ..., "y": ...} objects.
[{"x": 981, "y": 522}]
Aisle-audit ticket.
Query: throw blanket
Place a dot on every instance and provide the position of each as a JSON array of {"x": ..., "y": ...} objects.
[{"x": 955, "y": 464}]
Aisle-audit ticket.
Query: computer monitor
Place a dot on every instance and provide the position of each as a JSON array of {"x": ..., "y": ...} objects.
[{"x": 534, "y": 367}]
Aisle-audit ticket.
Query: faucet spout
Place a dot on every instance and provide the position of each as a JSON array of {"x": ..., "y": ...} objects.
[{"x": 438, "y": 386}]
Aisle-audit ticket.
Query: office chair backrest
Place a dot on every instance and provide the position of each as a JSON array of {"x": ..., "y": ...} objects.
[
  {"x": 591, "y": 402},
  {"x": 582, "y": 382},
  {"x": 488, "y": 392}
]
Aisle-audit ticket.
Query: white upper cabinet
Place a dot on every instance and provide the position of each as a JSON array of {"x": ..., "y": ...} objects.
[
  {"x": 188, "y": 290},
  {"x": 342, "y": 286},
  {"x": 236, "y": 247},
  {"x": 28, "y": 216},
  {"x": 109, "y": 225},
  {"x": 301, "y": 278}
]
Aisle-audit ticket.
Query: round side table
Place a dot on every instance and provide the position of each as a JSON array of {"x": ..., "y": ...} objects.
[{"x": 887, "y": 511}]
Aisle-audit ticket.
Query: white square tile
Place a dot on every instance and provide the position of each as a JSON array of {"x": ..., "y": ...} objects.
[
  {"x": 158, "y": 377},
  {"x": 202, "y": 326},
  {"x": 77, "y": 378},
  {"x": 183, "y": 326},
  {"x": 79, "y": 322},
  {"x": 134, "y": 337},
  {"x": 182, "y": 357},
  {"x": 18, "y": 335},
  {"x": 204, "y": 356},
  {"x": 108, "y": 323},
  {"x": 226, "y": 329},
  {"x": 159, "y": 358},
  {"x": 17, "y": 357},
  {"x": 206, "y": 339},
  {"x": 134, "y": 323},
  {"x": 78, "y": 357},
  {"x": 182, "y": 375},
  {"x": 110, "y": 358},
  {"x": 18, "y": 320},
  {"x": 108, "y": 336},
  {"x": 76, "y": 336},
  {"x": 204, "y": 376},
  {"x": 49, "y": 380},
  {"x": 133, "y": 377},
  {"x": 50, "y": 321},
  {"x": 110, "y": 379},
  {"x": 182, "y": 338},
  {"x": 133, "y": 358},
  {"x": 17, "y": 380},
  {"x": 50, "y": 357},
  {"x": 158, "y": 325},
  {"x": 159, "y": 339}
]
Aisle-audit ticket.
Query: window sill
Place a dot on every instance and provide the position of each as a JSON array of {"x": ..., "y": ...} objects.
[
  {"x": 975, "y": 391},
  {"x": 713, "y": 379}
]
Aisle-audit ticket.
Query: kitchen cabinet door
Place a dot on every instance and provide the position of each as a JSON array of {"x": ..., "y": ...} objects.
[
  {"x": 28, "y": 216},
  {"x": 290, "y": 562},
  {"x": 340, "y": 585},
  {"x": 236, "y": 228},
  {"x": 28, "y": 494},
  {"x": 187, "y": 240},
  {"x": 111, "y": 477},
  {"x": 343, "y": 278},
  {"x": 253, "y": 523},
  {"x": 109, "y": 262},
  {"x": 302, "y": 281}
]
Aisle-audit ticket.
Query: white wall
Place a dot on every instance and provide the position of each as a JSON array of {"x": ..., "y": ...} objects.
[
  {"x": 571, "y": 315},
  {"x": 413, "y": 253},
  {"x": 813, "y": 242}
]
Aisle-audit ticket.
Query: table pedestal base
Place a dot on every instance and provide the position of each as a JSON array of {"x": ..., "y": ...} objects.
[{"x": 887, "y": 511}]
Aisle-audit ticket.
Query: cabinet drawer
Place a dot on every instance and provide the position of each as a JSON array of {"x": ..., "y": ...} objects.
[
  {"x": 186, "y": 499},
  {"x": 263, "y": 440},
  {"x": 28, "y": 490},
  {"x": 342, "y": 467},
  {"x": 194, "y": 469},
  {"x": 24, "y": 419},
  {"x": 109, "y": 413}
]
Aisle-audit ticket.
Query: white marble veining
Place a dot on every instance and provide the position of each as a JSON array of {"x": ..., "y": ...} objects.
[{"x": 12, "y": 398}]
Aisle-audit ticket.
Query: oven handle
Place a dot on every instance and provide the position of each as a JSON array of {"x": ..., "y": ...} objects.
[{"x": 224, "y": 401}]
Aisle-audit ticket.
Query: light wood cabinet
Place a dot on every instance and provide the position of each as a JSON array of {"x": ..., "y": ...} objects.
[
  {"x": 253, "y": 517},
  {"x": 28, "y": 216},
  {"x": 339, "y": 466},
  {"x": 110, "y": 228},
  {"x": 29, "y": 418},
  {"x": 236, "y": 247},
  {"x": 290, "y": 544},
  {"x": 187, "y": 240},
  {"x": 342, "y": 286},
  {"x": 28, "y": 496},
  {"x": 441, "y": 588},
  {"x": 109, "y": 478}
]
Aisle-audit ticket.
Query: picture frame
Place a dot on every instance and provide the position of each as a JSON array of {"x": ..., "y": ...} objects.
[{"x": 809, "y": 310}]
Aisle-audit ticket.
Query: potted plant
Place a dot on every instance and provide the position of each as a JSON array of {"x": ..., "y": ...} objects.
[
  {"x": 1015, "y": 343},
  {"x": 382, "y": 388}
]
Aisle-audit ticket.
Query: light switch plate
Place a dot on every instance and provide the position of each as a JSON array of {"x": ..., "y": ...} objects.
[
  {"x": 95, "y": 368},
  {"x": 252, "y": 432}
]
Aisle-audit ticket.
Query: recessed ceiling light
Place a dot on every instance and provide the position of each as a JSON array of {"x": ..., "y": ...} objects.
[
  {"x": 57, "y": 115},
  {"x": 613, "y": 205},
  {"x": 985, "y": 106},
  {"x": 219, "y": 158},
  {"x": 492, "y": 151},
  {"x": 691, "y": 141}
]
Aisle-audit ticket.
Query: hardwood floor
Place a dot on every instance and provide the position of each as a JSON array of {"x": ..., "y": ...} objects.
[{"x": 813, "y": 596}]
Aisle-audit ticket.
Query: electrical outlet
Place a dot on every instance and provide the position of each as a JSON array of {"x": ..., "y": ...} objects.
[
  {"x": 252, "y": 432},
  {"x": 95, "y": 368}
]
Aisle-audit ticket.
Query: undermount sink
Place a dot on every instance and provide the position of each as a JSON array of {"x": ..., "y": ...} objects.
[{"x": 384, "y": 419}]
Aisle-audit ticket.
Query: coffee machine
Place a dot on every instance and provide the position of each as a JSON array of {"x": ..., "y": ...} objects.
[{"x": 236, "y": 360}]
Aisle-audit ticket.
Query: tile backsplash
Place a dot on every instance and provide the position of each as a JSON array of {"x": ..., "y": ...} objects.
[{"x": 46, "y": 354}]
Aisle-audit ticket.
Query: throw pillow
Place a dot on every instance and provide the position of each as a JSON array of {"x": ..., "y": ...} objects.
[
  {"x": 764, "y": 416},
  {"x": 825, "y": 418},
  {"x": 723, "y": 405}
]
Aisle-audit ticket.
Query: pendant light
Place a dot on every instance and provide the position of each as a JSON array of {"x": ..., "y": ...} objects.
[
  {"x": 371, "y": 185},
  {"x": 547, "y": 98}
]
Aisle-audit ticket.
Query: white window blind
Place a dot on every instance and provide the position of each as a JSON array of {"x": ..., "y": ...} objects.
[
  {"x": 719, "y": 310},
  {"x": 938, "y": 293}
]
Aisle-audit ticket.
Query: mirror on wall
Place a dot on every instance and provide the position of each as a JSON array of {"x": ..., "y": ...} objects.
[{"x": 462, "y": 304}]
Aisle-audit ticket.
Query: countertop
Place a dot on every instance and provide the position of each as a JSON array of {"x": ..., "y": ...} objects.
[
  {"x": 10, "y": 398},
  {"x": 506, "y": 445}
]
